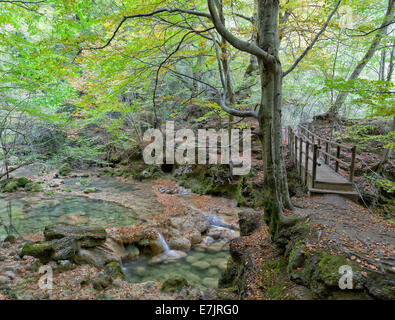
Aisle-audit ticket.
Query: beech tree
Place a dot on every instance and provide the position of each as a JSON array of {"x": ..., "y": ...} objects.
[{"x": 266, "y": 50}]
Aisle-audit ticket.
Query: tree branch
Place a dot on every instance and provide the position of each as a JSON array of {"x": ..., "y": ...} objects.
[
  {"x": 236, "y": 42},
  {"x": 314, "y": 40},
  {"x": 153, "y": 13}
]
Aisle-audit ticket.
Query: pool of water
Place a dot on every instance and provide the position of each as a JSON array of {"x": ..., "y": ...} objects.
[
  {"x": 22, "y": 215},
  {"x": 202, "y": 267}
]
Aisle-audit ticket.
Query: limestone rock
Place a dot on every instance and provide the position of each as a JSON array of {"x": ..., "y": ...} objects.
[
  {"x": 87, "y": 236},
  {"x": 114, "y": 270},
  {"x": 97, "y": 257},
  {"x": 180, "y": 244},
  {"x": 174, "y": 283}
]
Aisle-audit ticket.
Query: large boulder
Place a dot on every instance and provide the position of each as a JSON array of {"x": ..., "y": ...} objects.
[
  {"x": 65, "y": 249},
  {"x": 96, "y": 257},
  {"x": 174, "y": 283},
  {"x": 88, "y": 237},
  {"x": 250, "y": 221},
  {"x": 114, "y": 270},
  {"x": 42, "y": 250},
  {"x": 180, "y": 244}
]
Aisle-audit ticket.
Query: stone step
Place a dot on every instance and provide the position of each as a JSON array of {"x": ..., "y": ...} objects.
[
  {"x": 352, "y": 195},
  {"x": 336, "y": 186}
]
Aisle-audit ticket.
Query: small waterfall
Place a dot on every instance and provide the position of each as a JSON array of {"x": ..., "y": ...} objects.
[
  {"x": 168, "y": 253},
  {"x": 218, "y": 223},
  {"x": 163, "y": 243}
]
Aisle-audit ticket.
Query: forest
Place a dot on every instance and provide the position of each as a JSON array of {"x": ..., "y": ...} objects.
[{"x": 219, "y": 150}]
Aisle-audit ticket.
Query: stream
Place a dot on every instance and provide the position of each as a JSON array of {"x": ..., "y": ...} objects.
[{"x": 24, "y": 214}]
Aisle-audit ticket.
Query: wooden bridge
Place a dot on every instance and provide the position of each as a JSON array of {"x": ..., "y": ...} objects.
[{"x": 313, "y": 156}]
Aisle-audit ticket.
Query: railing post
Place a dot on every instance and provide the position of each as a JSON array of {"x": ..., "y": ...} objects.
[
  {"x": 327, "y": 151},
  {"x": 337, "y": 157},
  {"x": 306, "y": 162},
  {"x": 300, "y": 155},
  {"x": 314, "y": 169},
  {"x": 352, "y": 166}
]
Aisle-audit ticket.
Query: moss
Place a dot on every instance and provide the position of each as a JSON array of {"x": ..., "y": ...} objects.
[
  {"x": 249, "y": 194},
  {"x": 213, "y": 180},
  {"x": 11, "y": 186},
  {"x": 233, "y": 277},
  {"x": 34, "y": 187},
  {"x": 43, "y": 251},
  {"x": 174, "y": 283},
  {"x": 64, "y": 170},
  {"x": 22, "y": 181},
  {"x": 115, "y": 270},
  {"x": 89, "y": 190}
]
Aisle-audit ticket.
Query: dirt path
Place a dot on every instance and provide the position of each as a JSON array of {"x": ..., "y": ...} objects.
[{"x": 346, "y": 226}]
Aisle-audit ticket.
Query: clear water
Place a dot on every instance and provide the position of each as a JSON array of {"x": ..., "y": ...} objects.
[
  {"x": 201, "y": 267},
  {"x": 99, "y": 184},
  {"x": 27, "y": 216}
]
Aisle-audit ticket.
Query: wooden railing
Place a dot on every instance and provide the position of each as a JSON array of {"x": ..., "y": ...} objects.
[{"x": 313, "y": 145}]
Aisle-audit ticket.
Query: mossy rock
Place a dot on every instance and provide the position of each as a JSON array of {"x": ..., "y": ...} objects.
[
  {"x": 89, "y": 190},
  {"x": 34, "y": 187},
  {"x": 43, "y": 250},
  {"x": 11, "y": 186},
  {"x": 114, "y": 270},
  {"x": 22, "y": 181},
  {"x": 215, "y": 180},
  {"x": 174, "y": 283},
  {"x": 102, "y": 282},
  {"x": 64, "y": 170},
  {"x": 88, "y": 237}
]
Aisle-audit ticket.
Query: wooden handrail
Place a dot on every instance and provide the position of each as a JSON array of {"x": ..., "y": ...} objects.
[
  {"x": 304, "y": 137},
  {"x": 326, "y": 140}
]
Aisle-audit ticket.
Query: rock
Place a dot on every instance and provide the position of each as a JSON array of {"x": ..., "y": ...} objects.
[
  {"x": 64, "y": 170},
  {"x": 88, "y": 237},
  {"x": 34, "y": 187},
  {"x": 193, "y": 277},
  {"x": 89, "y": 190},
  {"x": 65, "y": 249},
  {"x": 22, "y": 181},
  {"x": 149, "y": 286},
  {"x": 65, "y": 265},
  {"x": 191, "y": 259},
  {"x": 96, "y": 257},
  {"x": 11, "y": 186},
  {"x": 116, "y": 249},
  {"x": 250, "y": 221},
  {"x": 207, "y": 240},
  {"x": 132, "y": 252},
  {"x": 195, "y": 237},
  {"x": 10, "y": 238},
  {"x": 201, "y": 265},
  {"x": 216, "y": 247},
  {"x": 140, "y": 271},
  {"x": 114, "y": 270},
  {"x": 10, "y": 274},
  {"x": 180, "y": 244},
  {"x": 213, "y": 272},
  {"x": 223, "y": 265},
  {"x": 210, "y": 282},
  {"x": 102, "y": 282},
  {"x": 42, "y": 250},
  {"x": 4, "y": 281},
  {"x": 174, "y": 283},
  {"x": 221, "y": 233}
]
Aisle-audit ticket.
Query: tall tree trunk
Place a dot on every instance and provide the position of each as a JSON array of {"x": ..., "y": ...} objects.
[
  {"x": 269, "y": 117},
  {"x": 341, "y": 98}
]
